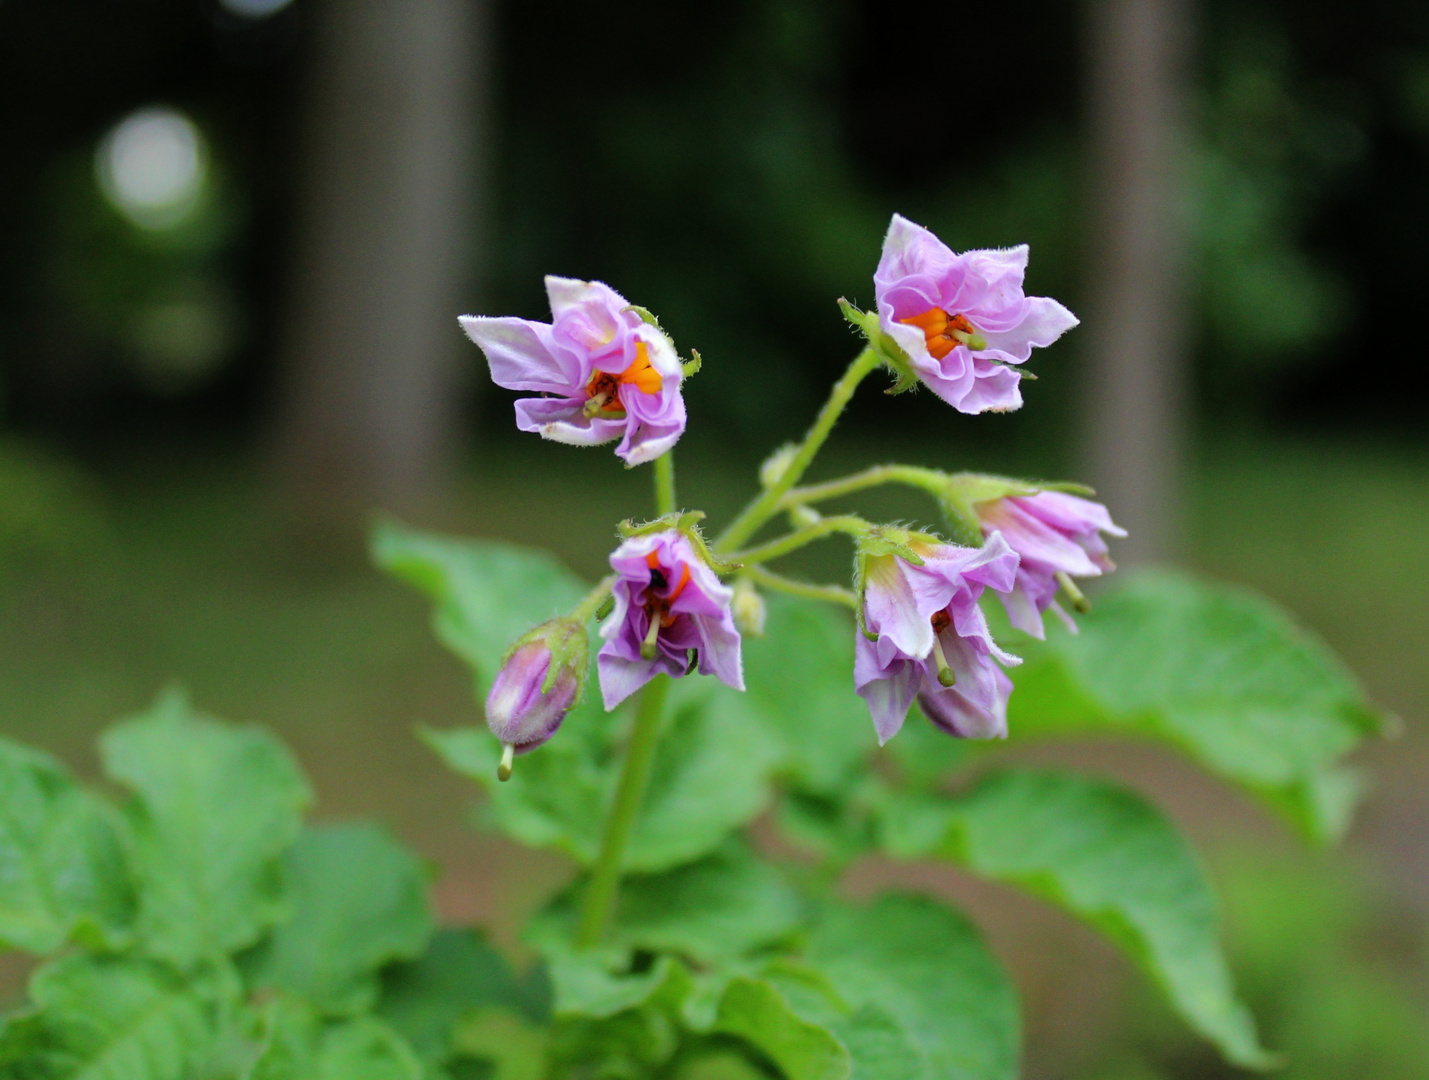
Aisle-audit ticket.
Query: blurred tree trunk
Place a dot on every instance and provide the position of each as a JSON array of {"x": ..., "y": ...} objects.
[
  {"x": 1135, "y": 409},
  {"x": 371, "y": 401}
]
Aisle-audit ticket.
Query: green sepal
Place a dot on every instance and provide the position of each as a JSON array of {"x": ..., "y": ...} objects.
[
  {"x": 692, "y": 366},
  {"x": 687, "y": 523},
  {"x": 569, "y": 643},
  {"x": 959, "y": 495},
  {"x": 888, "y": 350}
]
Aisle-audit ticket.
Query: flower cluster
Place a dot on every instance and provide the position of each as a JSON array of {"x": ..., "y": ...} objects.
[{"x": 959, "y": 323}]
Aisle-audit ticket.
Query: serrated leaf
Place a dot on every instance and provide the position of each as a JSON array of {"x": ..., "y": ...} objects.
[
  {"x": 710, "y": 776},
  {"x": 62, "y": 868},
  {"x": 487, "y": 593},
  {"x": 800, "y": 679},
  {"x": 1107, "y": 856},
  {"x": 214, "y": 807},
  {"x": 1221, "y": 673},
  {"x": 927, "y": 972},
  {"x": 754, "y": 1010},
  {"x": 358, "y": 901},
  {"x": 109, "y": 1018},
  {"x": 300, "y": 1045}
]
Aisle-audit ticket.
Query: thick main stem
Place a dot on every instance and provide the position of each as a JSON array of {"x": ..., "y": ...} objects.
[
  {"x": 765, "y": 506},
  {"x": 605, "y": 877}
]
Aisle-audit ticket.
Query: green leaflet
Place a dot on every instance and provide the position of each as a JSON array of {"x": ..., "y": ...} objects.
[
  {"x": 800, "y": 679},
  {"x": 922, "y": 970},
  {"x": 359, "y": 900},
  {"x": 108, "y": 1018},
  {"x": 460, "y": 971},
  {"x": 1223, "y": 674},
  {"x": 215, "y": 805},
  {"x": 757, "y": 1012},
  {"x": 710, "y": 777},
  {"x": 1107, "y": 856},
  {"x": 62, "y": 869},
  {"x": 487, "y": 594},
  {"x": 299, "y": 1045},
  {"x": 724, "y": 906}
]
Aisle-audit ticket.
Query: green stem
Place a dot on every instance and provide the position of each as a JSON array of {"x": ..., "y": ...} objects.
[
  {"x": 592, "y": 600},
  {"x": 765, "y": 505},
  {"x": 930, "y": 480},
  {"x": 605, "y": 877},
  {"x": 782, "y": 545},
  {"x": 834, "y": 594},
  {"x": 665, "y": 484}
]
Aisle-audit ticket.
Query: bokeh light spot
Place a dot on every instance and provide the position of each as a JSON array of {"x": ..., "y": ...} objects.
[
  {"x": 152, "y": 167},
  {"x": 255, "y": 9}
]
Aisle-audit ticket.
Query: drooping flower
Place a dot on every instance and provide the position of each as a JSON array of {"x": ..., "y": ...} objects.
[
  {"x": 933, "y": 642},
  {"x": 671, "y": 613},
  {"x": 961, "y": 319},
  {"x": 601, "y": 371},
  {"x": 1058, "y": 537}
]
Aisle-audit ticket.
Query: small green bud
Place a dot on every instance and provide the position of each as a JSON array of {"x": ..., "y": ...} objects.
[
  {"x": 776, "y": 463},
  {"x": 748, "y": 608}
]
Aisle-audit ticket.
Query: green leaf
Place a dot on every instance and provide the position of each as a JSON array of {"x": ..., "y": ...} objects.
[
  {"x": 215, "y": 806},
  {"x": 424, "y": 998},
  {"x": 359, "y": 901},
  {"x": 1105, "y": 855},
  {"x": 107, "y": 1018},
  {"x": 487, "y": 593},
  {"x": 62, "y": 869},
  {"x": 800, "y": 679},
  {"x": 924, "y": 971},
  {"x": 507, "y": 1039},
  {"x": 1222, "y": 674},
  {"x": 726, "y": 905},
  {"x": 601, "y": 983},
  {"x": 299, "y": 1045},
  {"x": 710, "y": 776},
  {"x": 754, "y": 1010}
]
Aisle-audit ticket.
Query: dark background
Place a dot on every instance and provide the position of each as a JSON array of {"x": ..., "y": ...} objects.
[{"x": 168, "y": 512}]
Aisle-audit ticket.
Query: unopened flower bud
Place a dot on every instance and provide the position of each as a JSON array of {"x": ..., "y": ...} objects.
[
  {"x": 536, "y": 686},
  {"x": 748, "y": 608}
]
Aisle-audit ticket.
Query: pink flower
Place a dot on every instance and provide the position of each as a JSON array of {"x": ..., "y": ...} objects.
[
  {"x": 601, "y": 371},
  {"x": 1058, "y": 537},
  {"x": 961, "y": 319},
  {"x": 671, "y": 612},
  {"x": 933, "y": 641}
]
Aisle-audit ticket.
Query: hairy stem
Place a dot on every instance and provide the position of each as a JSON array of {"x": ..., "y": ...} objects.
[
  {"x": 782, "y": 545},
  {"x": 665, "y": 483},
  {"x": 930, "y": 480},
  {"x": 605, "y": 876},
  {"x": 834, "y": 594},
  {"x": 592, "y": 600},
  {"x": 766, "y": 504}
]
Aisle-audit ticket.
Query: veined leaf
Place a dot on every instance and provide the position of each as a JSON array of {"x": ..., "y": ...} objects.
[
  {"x": 1107, "y": 856},
  {"x": 1221, "y": 673},
  {"x": 922, "y": 970},
  {"x": 214, "y": 807},
  {"x": 487, "y": 593},
  {"x": 359, "y": 901},
  {"x": 757, "y": 1012},
  {"x": 62, "y": 869},
  {"x": 108, "y": 1018}
]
